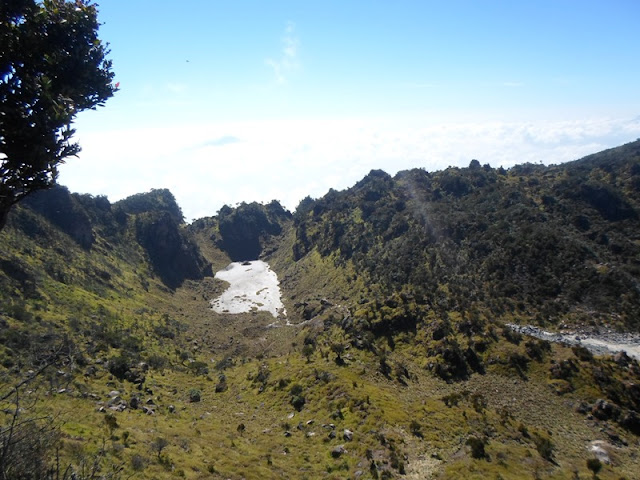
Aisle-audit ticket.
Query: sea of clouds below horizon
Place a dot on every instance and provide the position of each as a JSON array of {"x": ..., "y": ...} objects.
[{"x": 208, "y": 166}]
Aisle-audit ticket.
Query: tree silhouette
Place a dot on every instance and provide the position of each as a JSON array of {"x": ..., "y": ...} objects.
[{"x": 52, "y": 66}]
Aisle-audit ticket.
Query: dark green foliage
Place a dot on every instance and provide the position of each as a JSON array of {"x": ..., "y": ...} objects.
[
  {"x": 174, "y": 256},
  {"x": 477, "y": 447},
  {"x": 64, "y": 211},
  {"x": 416, "y": 429},
  {"x": 194, "y": 395},
  {"x": 199, "y": 368},
  {"x": 594, "y": 465},
  {"x": 158, "y": 445},
  {"x": 157, "y": 200},
  {"x": 511, "y": 335},
  {"x": 120, "y": 366},
  {"x": 157, "y": 361},
  {"x": 544, "y": 445},
  {"x": 582, "y": 353},
  {"x": 536, "y": 349},
  {"x": 492, "y": 240},
  {"x": 221, "y": 386},
  {"x": 243, "y": 228},
  {"x": 297, "y": 398},
  {"x": 53, "y": 66}
]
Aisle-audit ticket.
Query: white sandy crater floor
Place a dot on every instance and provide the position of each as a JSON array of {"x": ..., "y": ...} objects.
[{"x": 252, "y": 286}]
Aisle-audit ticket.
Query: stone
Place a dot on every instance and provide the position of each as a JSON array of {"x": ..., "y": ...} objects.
[
  {"x": 347, "y": 435},
  {"x": 338, "y": 451},
  {"x": 604, "y": 410},
  {"x": 601, "y": 450}
]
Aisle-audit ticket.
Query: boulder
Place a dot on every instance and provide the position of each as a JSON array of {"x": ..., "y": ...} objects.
[
  {"x": 338, "y": 451},
  {"x": 604, "y": 410}
]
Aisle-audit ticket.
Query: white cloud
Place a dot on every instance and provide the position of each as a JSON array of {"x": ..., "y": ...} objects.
[
  {"x": 208, "y": 166},
  {"x": 288, "y": 58}
]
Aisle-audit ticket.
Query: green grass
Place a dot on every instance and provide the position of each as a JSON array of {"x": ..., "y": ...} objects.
[{"x": 129, "y": 312}]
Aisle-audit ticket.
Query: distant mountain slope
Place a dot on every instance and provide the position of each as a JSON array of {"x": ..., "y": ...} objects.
[
  {"x": 398, "y": 361},
  {"x": 552, "y": 244}
]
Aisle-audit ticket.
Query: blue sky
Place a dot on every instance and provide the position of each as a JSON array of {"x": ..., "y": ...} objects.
[{"x": 224, "y": 102}]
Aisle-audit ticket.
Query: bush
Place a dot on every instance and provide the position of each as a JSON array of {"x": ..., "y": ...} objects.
[
  {"x": 594, "y": 465},
  {"x": 138, "y": 462},
  {"x": 298, "y": 402},
  {"x": 120, "y": 365},
  {"x": 416, "y": 429},
  {"x": 545, "y": 447},
  {"x": 156, "y": 361},
  {"x": 477, "y": 447},
  {"x": 199, "y": 368},
  {"x": 194, "y": 395}
]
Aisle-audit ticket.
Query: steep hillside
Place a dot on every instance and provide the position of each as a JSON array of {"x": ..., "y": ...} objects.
[
  {"x": 397, "y": 361},
  {"x": 543, "y": 244}
]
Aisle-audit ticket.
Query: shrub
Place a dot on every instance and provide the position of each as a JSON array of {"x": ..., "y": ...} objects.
[
  {"x": 416, "y": 429},
  {"x": 194, "y": 395},
  {"x": 545, "y": 446},
  {"x": 298, "y": 402},
  {"x": 157, "y": 361},
  {"x": 199, "y": 368},
  {"x": 120, "y": 365},
  {"x": 138, "y": 462},
  {"x": 158, "y": 445},
  {"x": 511, "y": 335},
  {"x": 477, "y": 447},
  {"x": 594, "y": 465}
]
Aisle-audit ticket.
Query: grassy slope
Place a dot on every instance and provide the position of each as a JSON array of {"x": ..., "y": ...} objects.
[{"x": 403, "y": 419}]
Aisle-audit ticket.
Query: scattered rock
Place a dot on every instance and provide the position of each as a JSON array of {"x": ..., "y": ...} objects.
[
  {"x": 601, "y": 450},
  {"x": 347, "y": 435},
  {"x": 604, "y": 410},
  {"x": 338, "y": 451},
  {"x": 630, "y": 420},
  {"x": 622, "y": 359},
  {"x": 171, "y": 408},
  {"x": 148, "y": 411}
]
